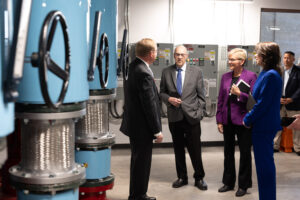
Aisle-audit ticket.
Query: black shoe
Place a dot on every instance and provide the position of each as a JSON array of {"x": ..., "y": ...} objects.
[
  {"x": 298, "y": 153},
  {"x": 179, "y": 183},
  {"x": 225, "y": 188},
  {"x": 240, "y": 192},
  {"x": 145, "y": 197},
  {"x": 276, "y": 150},
  {"x": 201, "y": 184}
]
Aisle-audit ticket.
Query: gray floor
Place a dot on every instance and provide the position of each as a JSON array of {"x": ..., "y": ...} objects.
[{"x": 163, "y": 173}]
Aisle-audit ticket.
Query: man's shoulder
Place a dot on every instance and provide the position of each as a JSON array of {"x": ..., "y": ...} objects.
[
  {"x": 169, "y": 68},
  {"x": 297, "y": 68}
]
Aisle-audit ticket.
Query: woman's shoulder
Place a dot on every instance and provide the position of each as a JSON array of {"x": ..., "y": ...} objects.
[
  {"x": 272, "y": 75},
  {"x": 227, "y": 74},
  {"x": 249, "y": 73}
]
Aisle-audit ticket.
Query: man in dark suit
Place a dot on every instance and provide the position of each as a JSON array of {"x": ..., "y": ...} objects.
[
  {"x": 141, "y": 117},
  {"x": 182, "y": 90},
  {"x": 290, "y": 101}
]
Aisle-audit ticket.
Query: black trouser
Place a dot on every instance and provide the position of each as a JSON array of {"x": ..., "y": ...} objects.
[
  {"x": 244, "y": 142},
  {"x": 141, "y": 156},
  {"x": 185, "y": 134}
]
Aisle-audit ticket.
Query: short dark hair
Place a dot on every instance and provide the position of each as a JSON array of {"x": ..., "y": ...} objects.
[{"x": 290, "y": 53}]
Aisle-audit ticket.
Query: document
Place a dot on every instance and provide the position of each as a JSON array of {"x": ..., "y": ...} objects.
[{"x": 243, "y": 86}]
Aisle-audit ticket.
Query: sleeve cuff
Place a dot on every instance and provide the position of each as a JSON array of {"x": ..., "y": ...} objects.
[{"x": 157, "y": 134}]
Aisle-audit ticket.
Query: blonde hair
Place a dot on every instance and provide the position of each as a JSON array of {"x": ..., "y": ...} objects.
[
  {"x": 241, "y": 54},
  {"x": 144, "y": 47}
]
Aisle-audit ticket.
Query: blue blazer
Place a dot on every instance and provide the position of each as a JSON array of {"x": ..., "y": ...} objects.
[{"x": 265, "y": 115}]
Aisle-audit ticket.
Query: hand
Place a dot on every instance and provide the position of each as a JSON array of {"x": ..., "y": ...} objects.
[
  {"x": 286, "y": 100},
  {"x": 159, "y": 138},
  {"x": 175, "y": 101},
  {"x": 245, "y": 125},
  {"x": 220, "y": 128},
  {"x": 235, "y": 90}
]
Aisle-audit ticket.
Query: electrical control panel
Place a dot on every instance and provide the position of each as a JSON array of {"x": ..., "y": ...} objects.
[
  {"x": 205, "y": 57},
  {"x": 165, "y": 58}
]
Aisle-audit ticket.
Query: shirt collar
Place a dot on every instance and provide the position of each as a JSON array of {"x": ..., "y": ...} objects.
[
  {"x": 183, "y": 68},
  {"x": 143, "y": 61},
  {"x": 288, "y": 70}
]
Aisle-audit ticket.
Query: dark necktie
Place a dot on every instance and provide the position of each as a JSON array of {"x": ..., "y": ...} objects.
[{"x": 179, "y": 81}]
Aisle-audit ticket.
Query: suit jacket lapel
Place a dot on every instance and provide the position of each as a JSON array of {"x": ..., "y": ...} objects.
[
  {"x": 290, "y": 77},
  {"x": 173, "y": 74},
  {"x": 186, "y": 78}
]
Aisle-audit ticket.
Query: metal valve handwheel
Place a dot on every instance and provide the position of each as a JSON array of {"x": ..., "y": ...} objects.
[
  {"x": 43, "y": 60},
  {"x": 103, "y": 51},
  {"x": 123, "y": 61}
]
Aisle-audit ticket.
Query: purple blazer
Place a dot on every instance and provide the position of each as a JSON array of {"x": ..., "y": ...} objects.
[{"x": 238, "y": 107}]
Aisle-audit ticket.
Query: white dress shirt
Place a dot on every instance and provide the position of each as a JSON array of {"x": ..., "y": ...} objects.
[{"x": 286, "y": 78}]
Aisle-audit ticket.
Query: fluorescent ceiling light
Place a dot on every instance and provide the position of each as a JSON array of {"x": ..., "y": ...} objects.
[
  {"x": 236, "y": 0},
  {"x": 274, "y": 28}
]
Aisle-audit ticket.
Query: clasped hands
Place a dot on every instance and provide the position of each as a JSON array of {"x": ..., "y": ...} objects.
[{"x": 286, "y": 100}]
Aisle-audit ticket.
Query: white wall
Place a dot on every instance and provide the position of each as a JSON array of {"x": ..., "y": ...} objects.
[{"x": 198, "y": 21}]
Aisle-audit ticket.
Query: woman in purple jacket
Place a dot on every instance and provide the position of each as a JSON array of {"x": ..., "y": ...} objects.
[{"x": 230, "y": 113}]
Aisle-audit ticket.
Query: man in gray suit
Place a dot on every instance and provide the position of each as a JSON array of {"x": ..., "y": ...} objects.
[{"x": 182, "y": 90}]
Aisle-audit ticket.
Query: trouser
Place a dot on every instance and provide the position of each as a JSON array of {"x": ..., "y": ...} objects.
[
  {"x": 185, "y": 134},
  {"x": 265, "y": 166},
  {"x": 141, "y": 156},
  {"x": 245, "y": 168},
  {"x": 296, "y": 133}
]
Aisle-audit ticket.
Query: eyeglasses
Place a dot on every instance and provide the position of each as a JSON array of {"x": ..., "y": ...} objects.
[
  {"x": 232, "y": 60},
  {"x": 179, "y": 54}
]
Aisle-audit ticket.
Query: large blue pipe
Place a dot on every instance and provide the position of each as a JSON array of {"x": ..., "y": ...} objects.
[
  {"x": 6, "y": 36},
  {"x": 75, "y": 12}
]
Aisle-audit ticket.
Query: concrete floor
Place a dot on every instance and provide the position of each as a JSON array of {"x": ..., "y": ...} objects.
[{"x": 163, "y": 174}]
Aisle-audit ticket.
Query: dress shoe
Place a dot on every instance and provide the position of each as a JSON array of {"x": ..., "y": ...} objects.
[
  {"x": 145, "y": 197},
  {"x": 179, "y": 183},
  {"x": 225, "y": 188},
  {"x": 298, "y": 153},
  {"x": 240, "y": 192},
  {"x": 276, "y": 150},
  {"x": 201, "y": 184}
]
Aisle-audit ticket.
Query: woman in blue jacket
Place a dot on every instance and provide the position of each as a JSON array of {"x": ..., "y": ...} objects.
[{"x": 264, "y": 118}]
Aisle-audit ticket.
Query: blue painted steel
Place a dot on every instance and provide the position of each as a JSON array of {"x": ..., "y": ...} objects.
[
  {"x": 6, "y": 109},
  {"x": 76, "y": 15},
  {"x": 66, "y": 195},
  {"x": 98, "y": 162},
  {"x": 108, "y": 26}
]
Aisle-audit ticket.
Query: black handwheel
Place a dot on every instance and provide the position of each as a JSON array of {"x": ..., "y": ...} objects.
[
  {"x": 43, "y": 60},
  {"x": 103, "y": 51},
  {"x": 123, "y": 60}
]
